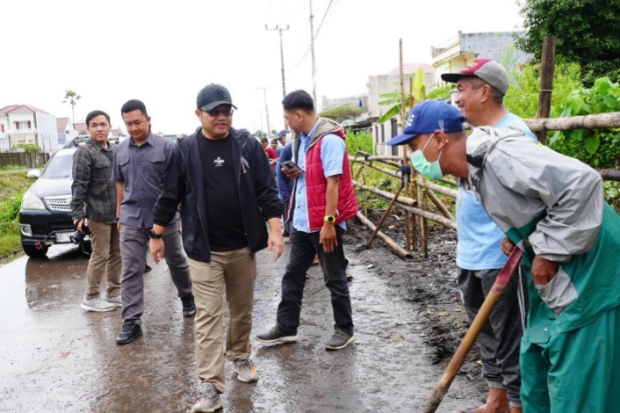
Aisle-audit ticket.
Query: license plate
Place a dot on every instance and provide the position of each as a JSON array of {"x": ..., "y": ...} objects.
[{"x": 63, "y": 237}]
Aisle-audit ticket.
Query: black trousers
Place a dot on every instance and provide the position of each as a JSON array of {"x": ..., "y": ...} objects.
[
  {"x": 500, "y": 338},
  {"x": 304, "y": 246}
]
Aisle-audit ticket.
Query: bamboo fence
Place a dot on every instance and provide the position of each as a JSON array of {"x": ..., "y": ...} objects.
[{"x": 422, "y": 190}]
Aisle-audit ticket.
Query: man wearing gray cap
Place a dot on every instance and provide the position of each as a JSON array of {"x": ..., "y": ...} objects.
[
  {"x": 222, "y": 179},
  {"x": 481, "y": 87}
]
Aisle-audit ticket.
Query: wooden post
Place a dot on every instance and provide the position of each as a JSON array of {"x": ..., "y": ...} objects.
[
  {"x": 547, "y": 71},
  {"x": 403, "y": 119}
]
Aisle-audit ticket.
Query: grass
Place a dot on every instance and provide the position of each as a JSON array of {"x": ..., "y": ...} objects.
[
  {"x": 10, "y": 244},
  {"x": 12, "y": 187}
]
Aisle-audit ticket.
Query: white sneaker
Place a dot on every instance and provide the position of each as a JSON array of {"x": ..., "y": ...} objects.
[
  {"x": 208, "y": 401},
  {"x": 98, "y": 305},
  {"x": 116, "y": 300},
  {"x": 246, "y": 372}
]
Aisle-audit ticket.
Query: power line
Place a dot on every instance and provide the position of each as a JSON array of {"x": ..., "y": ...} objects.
[{"x": 315, "y": 36}]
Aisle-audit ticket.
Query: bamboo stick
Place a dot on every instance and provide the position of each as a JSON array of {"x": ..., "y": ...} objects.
[
  {"x": 407, "y": 205},
  {"x": 440, "y": 206},
  {"x": 400, "y": 251},
  {"x": 384, "y": 216}
]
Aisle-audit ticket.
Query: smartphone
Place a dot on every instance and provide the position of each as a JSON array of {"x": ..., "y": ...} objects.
[{"x": 290, "y": 165}]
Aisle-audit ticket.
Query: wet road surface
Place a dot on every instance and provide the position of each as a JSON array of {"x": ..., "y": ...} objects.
[{"x": 55, "y": 357}]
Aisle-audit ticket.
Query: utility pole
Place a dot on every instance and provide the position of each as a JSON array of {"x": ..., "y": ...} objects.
[
  {"x": 266, "y": 111},
  {"x": 313, "y": 61},
  {"x": 280, "y": 29}
]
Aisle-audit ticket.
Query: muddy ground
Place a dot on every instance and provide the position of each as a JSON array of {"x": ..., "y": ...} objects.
[
  {"x": 54, "y": 357},
  {"x": 430, "y": 285}
]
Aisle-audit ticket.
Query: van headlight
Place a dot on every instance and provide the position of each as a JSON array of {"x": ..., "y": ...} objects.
[{"x": 31, "y": 201}]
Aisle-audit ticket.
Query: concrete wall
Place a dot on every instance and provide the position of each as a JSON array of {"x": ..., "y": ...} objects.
[
  {"x": 349, "y": 100},
  {"x": 497, "y": 46},
  {"x": 379, "y": 85},
  {"x": 383, "y": 132},
  {"x": 47, "y": 132},
  {"x": 494, "y": 46}
]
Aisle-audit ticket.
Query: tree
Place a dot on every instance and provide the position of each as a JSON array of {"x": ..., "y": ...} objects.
[
  {"x": 342, "y": 112},
  {"x": 587, "y": 33},
  {"x": 71, "y": 98}
]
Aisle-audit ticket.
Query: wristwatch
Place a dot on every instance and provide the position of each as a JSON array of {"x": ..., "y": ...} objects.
[
  {"x": 329, "y": 219},
  {"x": 153, "y": 235}
]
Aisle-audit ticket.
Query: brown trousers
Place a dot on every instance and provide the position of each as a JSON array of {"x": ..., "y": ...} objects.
[
  {"x": 104, "y": 260},
  {"x": 236, "y": 270}
]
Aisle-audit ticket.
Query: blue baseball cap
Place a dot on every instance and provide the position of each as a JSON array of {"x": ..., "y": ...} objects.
[{"x": 427, "y": 117}]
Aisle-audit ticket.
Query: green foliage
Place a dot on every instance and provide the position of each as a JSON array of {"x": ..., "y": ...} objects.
[
  {"x": 394, "y": 100},
  {"x": 341, "y": 113},
  {"x": 599, "y": 148},
  {"x": 9, "y": 211},
  {"x": 359, "y": 141},
  {"x": 28, "y": 147},
  {"x": 612, "y": 193},
  {"x": 587, "y": 33},
  {"x": 442, "y": 92},
  {"x": 522, "y": 96}
]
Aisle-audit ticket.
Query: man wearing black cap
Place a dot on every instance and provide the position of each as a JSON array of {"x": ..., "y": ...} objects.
[
  {"x": 227, "y": 191},
  {"x": 481, "y": 87}
]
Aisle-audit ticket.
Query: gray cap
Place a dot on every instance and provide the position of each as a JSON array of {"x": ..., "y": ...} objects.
[
  {"x": 486, "y": 69},
  {"x": 212, "y": 96}
]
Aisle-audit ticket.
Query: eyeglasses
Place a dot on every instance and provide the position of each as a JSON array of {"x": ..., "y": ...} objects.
[{"x": 216, "y": 113}]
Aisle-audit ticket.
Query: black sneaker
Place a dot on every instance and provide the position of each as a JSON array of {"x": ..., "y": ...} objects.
[
  {"x": 339, "y": 340},
  {"x": 131, "y": 331},
  {"x": 189, "y": 307},
  {"x": 275, "y": 336}
]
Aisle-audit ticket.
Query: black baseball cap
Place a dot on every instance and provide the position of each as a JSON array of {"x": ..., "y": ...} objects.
[{"x": 212, "y": 96}]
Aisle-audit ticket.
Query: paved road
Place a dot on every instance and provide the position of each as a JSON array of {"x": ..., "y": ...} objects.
[{"x": 54, "y": 357}]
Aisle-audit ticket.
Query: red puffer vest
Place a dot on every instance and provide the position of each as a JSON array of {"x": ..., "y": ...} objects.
[{"x": 316, "y": 183}]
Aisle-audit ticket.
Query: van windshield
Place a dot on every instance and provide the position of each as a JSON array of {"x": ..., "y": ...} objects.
[{"x": 59, "y": 167}]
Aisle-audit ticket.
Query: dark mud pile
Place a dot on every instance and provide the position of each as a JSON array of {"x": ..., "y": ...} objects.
[{"x": 430, "y": 285}]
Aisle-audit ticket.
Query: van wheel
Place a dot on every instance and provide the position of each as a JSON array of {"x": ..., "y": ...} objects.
[{"x": 33, "y": 252}]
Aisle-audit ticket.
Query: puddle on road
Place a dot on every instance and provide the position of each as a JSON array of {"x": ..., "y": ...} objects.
[{"x": 53, "y": 354}]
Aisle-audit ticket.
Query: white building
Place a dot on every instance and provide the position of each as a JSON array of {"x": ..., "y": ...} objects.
[
  {"x": 455, "y": 54},
  {"x": 65, "y": 130},
  {"x": 24, "y": 124},
  {"x": 381, "y": 84}
]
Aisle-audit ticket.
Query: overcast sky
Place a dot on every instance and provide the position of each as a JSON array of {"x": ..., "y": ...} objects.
[{"x": 163, "y": 53}]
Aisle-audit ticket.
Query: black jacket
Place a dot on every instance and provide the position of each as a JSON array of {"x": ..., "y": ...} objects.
[{"x": 184, "y": 183}]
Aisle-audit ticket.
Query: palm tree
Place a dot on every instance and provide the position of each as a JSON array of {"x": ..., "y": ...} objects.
[{"x": 71, "y": 98}]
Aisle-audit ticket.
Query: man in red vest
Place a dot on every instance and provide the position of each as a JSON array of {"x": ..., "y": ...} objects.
[{"x": 323, "y": 198}]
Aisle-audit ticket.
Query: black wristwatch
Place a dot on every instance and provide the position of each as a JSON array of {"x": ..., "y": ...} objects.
[{"x": 153, "y": 235}]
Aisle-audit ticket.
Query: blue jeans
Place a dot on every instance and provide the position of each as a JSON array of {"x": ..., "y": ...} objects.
[{"x": 304, "y": 247}]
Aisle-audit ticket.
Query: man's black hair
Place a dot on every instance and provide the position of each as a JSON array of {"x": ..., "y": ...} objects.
[
  {"x": 274, "y": 141},
  {"x": 298, "y": 100},
  {"x": 132, "y": 105},
  {"x": 264, "y": 140},
  {"x": 94, "y": 114}
]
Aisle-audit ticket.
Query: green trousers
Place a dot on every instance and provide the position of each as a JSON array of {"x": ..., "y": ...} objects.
[{"x": 574, "y": 372}]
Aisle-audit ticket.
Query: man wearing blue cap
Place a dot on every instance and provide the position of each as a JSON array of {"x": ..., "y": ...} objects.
[
  {"x": 481, "y": 87},
  {"x": 552, "y": 208}
]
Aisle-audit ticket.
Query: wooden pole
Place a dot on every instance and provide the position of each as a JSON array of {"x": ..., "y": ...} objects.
[
  {"x": 547, "y": 71},
  {"x": 407, "y": 204},
  {"x": 384, "y": 216},
  {"x": 440, "y": 206},
  {"x": 474, "y": 330},
  {"x": 403, "y": 115},
  {"x": 387, "y": 240}
]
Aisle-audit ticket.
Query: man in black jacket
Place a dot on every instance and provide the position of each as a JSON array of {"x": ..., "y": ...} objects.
[{"x": 227, "y": 191}]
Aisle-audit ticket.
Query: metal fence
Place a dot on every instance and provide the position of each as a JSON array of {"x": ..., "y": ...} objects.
[{"x": 26, "y": 160}]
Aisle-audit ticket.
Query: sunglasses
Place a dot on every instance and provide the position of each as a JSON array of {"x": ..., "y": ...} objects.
[{"x": 215, "y": 113}]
